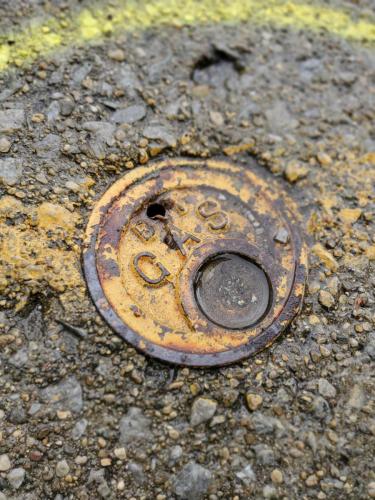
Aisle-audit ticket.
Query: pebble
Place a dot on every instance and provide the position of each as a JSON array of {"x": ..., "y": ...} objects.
[
  {"x": 120, "y": 453},
  {"x": 371, "y": 489},
  {"x": 350, "y": 215},
  {"x": 277, "y": 476},
  {"x": 192, "y": 482},
  {"x": 116, "y": 55},
  {"x": 5, "y": 145},
  {"x": 129, "y": 115},
  {"x": 48, "y": 147},
  {"x": 16, "y": 477},
  {"x": 253, "y": 401},
  {"x": 247, "y": 474},
  {"x": 202, "y": 410},
  {"x": 79, "y": 429},
  {"x": 66, "y": 395},
  {"x": 216, "y": 118},
  {"x": 4, "y": 463},
  {"x": 326, "y": 299},
  {"x": 295, "y": 171},
  {"x": 324, "y": 159},
  {"x": 311, "y": 480},
  {"x": 279, "y": 118},
  {"x": 11, "y": 120},
  {"x": 137, "y": 472},
  {"x": 326, "y": 389},
  {"x": 269, "y": 491},
  {"x": 134, "y": 427},
  {"x": 161, "y": 133},
  {"x": 175, "y": 453},
  {"x": 62, "y": 468},
  {"x": 11, "y": 170}
]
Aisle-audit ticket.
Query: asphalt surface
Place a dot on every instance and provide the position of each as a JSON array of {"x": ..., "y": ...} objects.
[{"x": 82, "y": 414}]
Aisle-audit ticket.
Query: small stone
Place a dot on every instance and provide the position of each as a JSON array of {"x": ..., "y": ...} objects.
[
  {"x": 294, "y": 172},
  {"x": 326, "y": 299},
  {"x": 4, "y": 463},
  {"x": 203, "y": 409},
  {"x": 277, "y": 476},
  {"x": 67, "y": 395},
  {"x": 129, "y": 115},
  {"x": 105, "y": 462},
  {"x": 103, "y": 489},
  {"x": 247, "y": 474},
  {"x": 269, "y": 491},
  {"x": 5, "y": 145},
  {"x": 327, "y": 259},
  {"x": 279, "y": 118},
  {"x": 350, "y": 215},
  {"x": 10, "y": 171},
  {"x": 311, "y": 480},
  {"x": 253, "y": 401},
  {"x": 160, "y": 133},
  {"x": 371, "y": 489},
  {"x": 79, "y": 429},
  {"x": 120, "y": 453},
  {"x": 67, "y": 107},
  {"x": 216, "y": 118},
  {"x": 175, "y": 453},
  {"x": 357, "y": 397},
  {"x": 324, "y": 159},
  {"x": 11, "y": 120},
  {"x": 62, "y": 468},
  {"x": 37, "y": 118},
  {"x": 16, "y": 477},
  {"x": 134, "y": 427},
  {"x": 137, "y": 472},
  {"x": 282, "y": 236},
  {"x": 117, "y": 55},
  {"x": 192, "y": 482},
  {"x": 326, "y": 389}
]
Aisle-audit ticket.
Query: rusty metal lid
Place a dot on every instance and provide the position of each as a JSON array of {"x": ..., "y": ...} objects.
[{"x": 195, "y": 262}]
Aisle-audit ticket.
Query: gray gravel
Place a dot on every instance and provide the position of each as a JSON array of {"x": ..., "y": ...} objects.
[{"x": 82, "y": 415}]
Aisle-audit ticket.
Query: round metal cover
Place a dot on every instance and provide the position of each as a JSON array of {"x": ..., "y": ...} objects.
[{"x": 195, "y": 262}]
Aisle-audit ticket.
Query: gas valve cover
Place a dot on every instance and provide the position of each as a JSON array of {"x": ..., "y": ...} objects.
[{"x": 195, "y": 262}]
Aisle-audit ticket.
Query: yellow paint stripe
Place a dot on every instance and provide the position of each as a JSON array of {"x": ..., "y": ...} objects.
[{"x": 40, "y": 39}]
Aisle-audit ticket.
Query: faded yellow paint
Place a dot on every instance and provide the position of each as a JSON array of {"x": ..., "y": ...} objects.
[
  {"x": 40, "y": 38},
  {"x": 325, "y": 256},
  {"x": 350, "y": 215},
  {"x": 31, "y": 251}
]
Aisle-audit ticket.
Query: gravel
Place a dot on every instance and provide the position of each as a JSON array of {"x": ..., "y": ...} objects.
[{"x": 294, "y": 103}]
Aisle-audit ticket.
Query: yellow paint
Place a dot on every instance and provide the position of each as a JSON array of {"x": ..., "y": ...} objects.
[
  {"x": 52, "y": 216},
  {"x": 349, "y": 215},
  {"x": 370, "y": 252},
  {"x": 325, "y": 256},
  {"x": 32, "y": 254},
  {"x": 40, "y": 38}
]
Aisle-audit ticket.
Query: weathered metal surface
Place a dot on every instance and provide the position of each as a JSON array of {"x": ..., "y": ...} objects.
[{"x": 195, "y": 262}]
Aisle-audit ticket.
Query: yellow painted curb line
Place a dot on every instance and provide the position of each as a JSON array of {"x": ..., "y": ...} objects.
[{"x": 40, "y": 39}]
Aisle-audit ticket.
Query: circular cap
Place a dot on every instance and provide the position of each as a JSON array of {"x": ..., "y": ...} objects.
[
  {"x": 232, "y": 291},
  {"x": 195, "y": 262}
]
